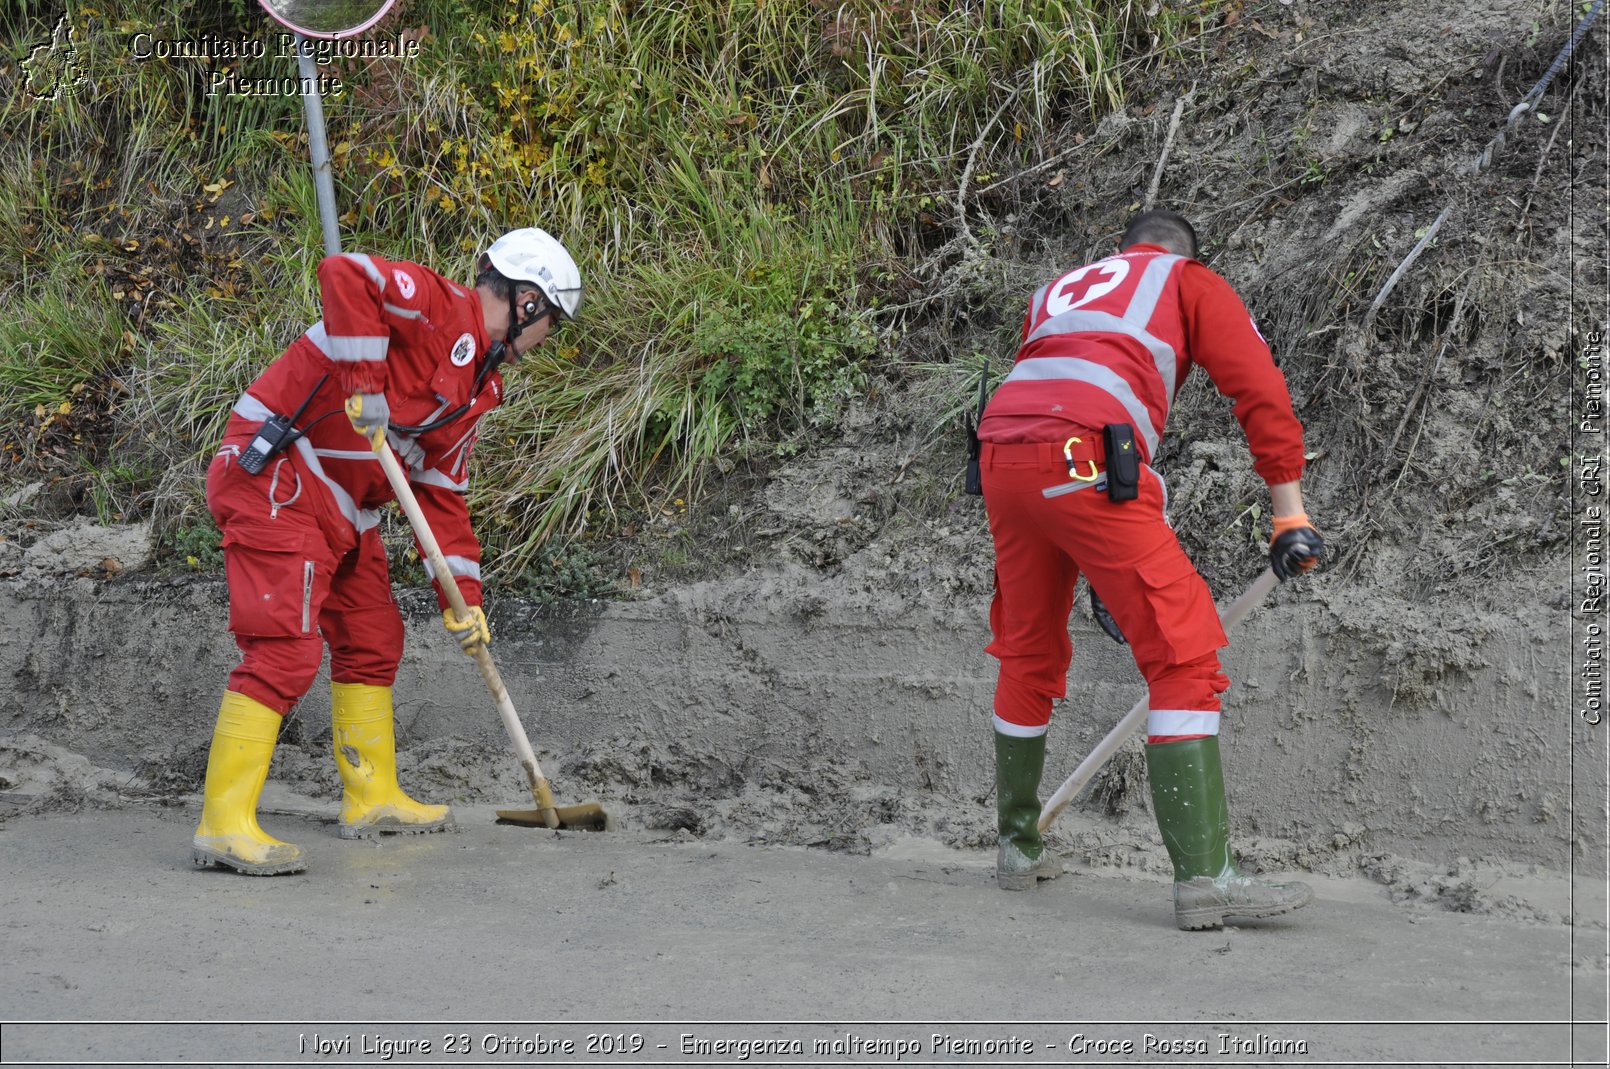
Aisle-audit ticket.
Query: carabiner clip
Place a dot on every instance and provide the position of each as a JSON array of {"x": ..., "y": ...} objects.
[{"x": 1073, "y": 465}]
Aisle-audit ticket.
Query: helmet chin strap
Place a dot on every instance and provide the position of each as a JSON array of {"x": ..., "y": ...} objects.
[{"x": 501, "y": 350}]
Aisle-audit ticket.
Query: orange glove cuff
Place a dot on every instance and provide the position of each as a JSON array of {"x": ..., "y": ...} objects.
[{"x": 1290, "y": 523}]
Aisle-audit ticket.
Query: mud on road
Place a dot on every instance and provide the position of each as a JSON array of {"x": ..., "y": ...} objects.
[{"x": 106, "y": 920}]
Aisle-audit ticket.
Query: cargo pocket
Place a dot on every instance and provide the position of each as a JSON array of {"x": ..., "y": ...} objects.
[
  {"x": 1187, "y": 620},
  {"x": 271, "y": 581}
]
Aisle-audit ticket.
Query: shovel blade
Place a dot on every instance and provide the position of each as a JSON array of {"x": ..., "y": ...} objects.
[{"x": 589, "y": 816}]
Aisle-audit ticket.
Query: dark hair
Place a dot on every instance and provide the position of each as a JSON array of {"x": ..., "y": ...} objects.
[
  {"x": 1161, "y": 227},
  {"x": 500, "y": 284}
]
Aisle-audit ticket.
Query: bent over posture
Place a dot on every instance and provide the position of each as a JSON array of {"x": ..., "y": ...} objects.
[
  {"x": 408, "y": 356},
  {"x": 1066, "y": 444}
]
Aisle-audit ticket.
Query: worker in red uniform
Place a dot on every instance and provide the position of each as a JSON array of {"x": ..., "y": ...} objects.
[
  {"x": 403, "y": 359},
  {"x": 1066, "y": 445}
]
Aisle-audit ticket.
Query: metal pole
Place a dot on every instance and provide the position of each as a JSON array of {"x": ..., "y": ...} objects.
[{"x": 318, "y": 145}]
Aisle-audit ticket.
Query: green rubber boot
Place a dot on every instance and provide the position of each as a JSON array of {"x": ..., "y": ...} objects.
[
  {"x": 1022, "y": 859},
  {"x": 1187, "y": 782}
]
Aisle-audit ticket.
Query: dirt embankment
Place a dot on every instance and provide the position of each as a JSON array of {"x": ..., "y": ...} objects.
[{"x": 824, "y": 684}]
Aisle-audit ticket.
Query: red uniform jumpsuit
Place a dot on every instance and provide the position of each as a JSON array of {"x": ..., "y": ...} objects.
[
  {"x": 301, "y": 547},
  {"x": 1110, "y": 342}
]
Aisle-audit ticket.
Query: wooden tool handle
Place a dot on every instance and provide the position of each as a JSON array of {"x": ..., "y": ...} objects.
[
  {"x": 1132, "y": 721},
  {"x": 483, "y": 658}
]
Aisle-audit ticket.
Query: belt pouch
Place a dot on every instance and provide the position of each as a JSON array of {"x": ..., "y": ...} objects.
[{"x": 1123, "y": 461}]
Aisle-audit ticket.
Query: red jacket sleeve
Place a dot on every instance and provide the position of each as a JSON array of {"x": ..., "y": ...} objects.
[
  {"x": 1223, "y": 340},
  {"x": 449, "y": 517},
  {"x": 353, "y": 288},
  {"x": 440, "y": 478}
]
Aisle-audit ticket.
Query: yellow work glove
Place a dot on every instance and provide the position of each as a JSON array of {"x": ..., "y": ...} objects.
[{"x": 469, "y": 633}]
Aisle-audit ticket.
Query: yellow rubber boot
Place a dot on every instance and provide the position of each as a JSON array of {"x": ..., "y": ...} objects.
[
  {"x": 237, "y": 766},
  {"x": 366, "y": 753}
]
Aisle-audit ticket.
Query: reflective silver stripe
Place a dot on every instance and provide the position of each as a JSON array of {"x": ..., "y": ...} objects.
[
  {"x": 1017, "y": 731},
  {"x": 458, "y": 566},
  {"x": 1142, "y": 306},
  {"x": 432, "y": 477},
  {"x": 462, "y": 448},
  {"x": 1079, "y": 321},
  {"x": 1149, "y": 290},
  {"x": 369, "y": 268},
  {"x": 319, "y": 337},
  {"x": 361, "y": 519},
  {"x": 1182, "y": 722},
  {"x": 1040, "y": 368},
  {"x": 1038, "y": 301},
  {"x": 249, "y": 407},
  {"x": 439, "y": 410},
  {"x": 348, "y": 454},
  {"x": 354, "y": 349},
  {"x": 307, "y": 596},
  {"x": 405, "y": 313}
]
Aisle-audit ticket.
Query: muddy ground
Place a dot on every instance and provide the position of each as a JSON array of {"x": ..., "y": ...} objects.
[
  {"x": 792, "y": 690},
  {"x": 503, "y": 924}
]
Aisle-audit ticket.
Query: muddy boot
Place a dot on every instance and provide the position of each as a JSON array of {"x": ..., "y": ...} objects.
[
  {"x": 237, "y": 766},
  {"x": 1188, "y": 797},
  {"x": 1022, "y": 859},
  {"x": 366, "y": 753},
  {"x": 1205, "y": 902}
]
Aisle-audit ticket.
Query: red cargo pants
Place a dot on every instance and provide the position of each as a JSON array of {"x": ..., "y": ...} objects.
[
  {"x": 298, "y": 571},
  {"x": 1047, "y": 529}
]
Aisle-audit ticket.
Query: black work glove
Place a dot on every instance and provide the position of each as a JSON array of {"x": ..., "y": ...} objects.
[
  {"x": 1295, "y": 547},
  {"x": 1104, "y": 618}
]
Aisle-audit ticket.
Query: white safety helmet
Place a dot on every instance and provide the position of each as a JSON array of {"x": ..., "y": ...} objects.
[{"x": 533, "y": 255}]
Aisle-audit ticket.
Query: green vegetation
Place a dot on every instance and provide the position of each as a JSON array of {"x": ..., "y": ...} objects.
[{"x": 743, "y": 181}]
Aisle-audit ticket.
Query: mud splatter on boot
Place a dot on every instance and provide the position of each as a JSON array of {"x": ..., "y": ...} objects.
[
  {"x": 1022, "y": 860},
  {"x": 1187, "y": 781},
  {"x": 365, "y": 743}
]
